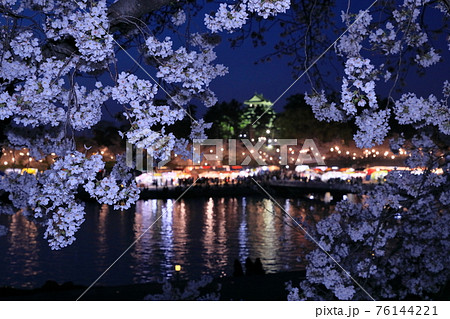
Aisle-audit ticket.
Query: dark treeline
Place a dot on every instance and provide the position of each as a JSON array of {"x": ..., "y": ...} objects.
[{"x": 296, "y": 121}]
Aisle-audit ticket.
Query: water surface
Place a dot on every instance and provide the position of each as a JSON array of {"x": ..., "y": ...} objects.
[{"x": 204, "y": 236}]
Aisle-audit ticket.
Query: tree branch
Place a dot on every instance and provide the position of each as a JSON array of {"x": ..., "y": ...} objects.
[
  {"x": 123, "y": 10},
  {"x": 121, "y": 16},
  {"x": 446, "y": 3}
]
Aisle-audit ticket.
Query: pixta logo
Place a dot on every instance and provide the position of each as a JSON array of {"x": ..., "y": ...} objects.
[
  {"x": 308, "y": 154},
  {"x": 159, "y": 147}
]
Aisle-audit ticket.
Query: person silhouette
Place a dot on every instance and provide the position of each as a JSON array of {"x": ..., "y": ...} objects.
[
  {"x": 258, "y": 267},
  {"x": 238, "y": 272},
  {"x": 249, "y": 267}
]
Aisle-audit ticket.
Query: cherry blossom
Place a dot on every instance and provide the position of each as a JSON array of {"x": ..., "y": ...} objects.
[
  {"x": 394, "y": 242},
  {"x": 228, "y": 17},
  {"x": 179, "y": 17},
  {"x": 45, "y": 96},
  {"x": 233, "y": 16}
]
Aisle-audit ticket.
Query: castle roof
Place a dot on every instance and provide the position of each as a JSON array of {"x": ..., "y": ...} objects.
[{"x": 258, "y": 100}]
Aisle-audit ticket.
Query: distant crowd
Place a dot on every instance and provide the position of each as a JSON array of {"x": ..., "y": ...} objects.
[{"x": 265, "y": 177}]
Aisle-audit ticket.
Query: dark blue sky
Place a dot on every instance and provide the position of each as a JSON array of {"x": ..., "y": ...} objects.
[{"x": 273, "y": 78}]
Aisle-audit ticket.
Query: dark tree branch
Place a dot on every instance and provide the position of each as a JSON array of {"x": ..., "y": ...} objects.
[
  {"x": 122, "y": 15},
  {"x": 126, "y": 10},
  {"x": 446, "y": 3}
]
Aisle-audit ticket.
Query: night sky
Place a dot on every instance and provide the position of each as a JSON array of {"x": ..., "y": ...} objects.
[{"x": 273, "y": 78}]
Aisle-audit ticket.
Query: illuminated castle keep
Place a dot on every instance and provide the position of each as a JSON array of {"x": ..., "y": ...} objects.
[{"x": 257, "y": 119}]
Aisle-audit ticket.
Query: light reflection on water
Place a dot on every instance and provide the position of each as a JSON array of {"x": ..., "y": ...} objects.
[{"x": 204, "y": 236}]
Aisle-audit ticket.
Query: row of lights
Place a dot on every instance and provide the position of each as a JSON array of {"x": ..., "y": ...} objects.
[
  {"x": 30, "y": 159},
  {"x": 367, "y": 153},
  {"x": 13, "y": 158}
]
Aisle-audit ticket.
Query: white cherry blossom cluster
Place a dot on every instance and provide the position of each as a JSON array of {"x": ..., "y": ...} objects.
[
  {"x": 63, "y": 224},
  {"x": 12, "y": 68},
  {"x": 386, "y": 40},
  {"x": 193, "y": 70},
  {"x": 121, "y": 171},
  {"x": 8, "y": 107},
  {"x": 55, "y": 27},
  {"x": 410, "y": 109},
  {"x": 358, "y": 95},
  {"x": 406, "y": 18},
  {"x": 45, "y": 100},
  {"x": 321, "y": 271},
  {"x": 138, "y": 95},
  {"x": 428, "y": 59},
  {"x": 361, "y": 89},
  {"x": 323, "y": 110},
  {"x": 39, "y": 100},
  {"x": 53, "y": 200},
  {"x": 446, "y": 89},
  {"x": 9, "y": 3},
  {"x": 266, "y": 8},
  {"x": 86, "y": 109},
  {"x": 350, "y": 43},
  {"x": 89, "y": 27},
  {"x": 179, "y": 18},
  {"x": 118, "y": 189},
  {"x": 19, "y": 61},
  {"x": 74, "y": 168},
  {"x": 109, "y": 191},
  {"x": 228, "y": 17},
  {"x": 131, "y": 89},
  {"x": 159, "y": 49},
  {"x": 364, "y": 237},
  {"x": 198, "y": 130},
  {"x": 373, "y": 128},
  {"x": 293, "y": 292},
  {"x": 358, "y": 100},
  {"x": 50, "y": 197},
  {"x": 442, "y": 8},
  {"x": 26, "y": 46},
  {"x": 18, "y": 186},
  {"x": 406, "y": 30}
]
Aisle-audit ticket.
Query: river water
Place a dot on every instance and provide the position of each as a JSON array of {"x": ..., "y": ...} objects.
[{"x": 204, "y": 236}]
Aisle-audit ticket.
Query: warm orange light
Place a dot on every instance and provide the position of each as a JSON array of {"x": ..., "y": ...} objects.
[{"x": 177, "y": 267}]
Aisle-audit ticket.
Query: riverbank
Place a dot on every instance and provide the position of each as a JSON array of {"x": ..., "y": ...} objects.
[
  {"x": 268, "y": 287},
  {"x": 295, "y": 189}
]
